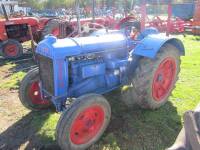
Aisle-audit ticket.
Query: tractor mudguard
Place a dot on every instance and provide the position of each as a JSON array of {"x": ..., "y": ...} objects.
[{"x": 151, "y": 44}]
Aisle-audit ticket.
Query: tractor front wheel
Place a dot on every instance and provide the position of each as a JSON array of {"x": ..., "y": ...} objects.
[
  {"x": 12, "y": 49},
  {"x": 155, "y": 79},
  {"x": 29, "y": 92},
  {"x": 83, "y": 123}
]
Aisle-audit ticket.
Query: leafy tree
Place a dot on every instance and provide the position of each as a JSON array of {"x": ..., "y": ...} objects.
[
  {"x": 32, "y": 3},
  {"x": 53, "y": 4}
]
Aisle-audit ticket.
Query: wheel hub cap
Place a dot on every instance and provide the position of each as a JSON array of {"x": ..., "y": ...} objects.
[
  {"x": 11, "y": 50},
  {"x": 87, "y": 125},
  {"x": 35, "y": 95},
  {"x": 163, "y": 78}
]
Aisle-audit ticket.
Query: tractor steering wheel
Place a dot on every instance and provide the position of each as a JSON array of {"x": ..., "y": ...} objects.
[{"x": 88, "y": 28}]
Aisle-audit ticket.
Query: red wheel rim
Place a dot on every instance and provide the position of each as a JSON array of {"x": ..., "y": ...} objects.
[
  {"x": 11, "y": 50},
  {"x": 35, "y": 95},
  {"x": 87, "y": 125},
  {"x": 56, "y": 32},
  {"x": 163, "y": 78}
]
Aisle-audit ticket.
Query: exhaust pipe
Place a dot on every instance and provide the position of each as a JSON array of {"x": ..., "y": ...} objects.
[{"x": 4, "y": 12}]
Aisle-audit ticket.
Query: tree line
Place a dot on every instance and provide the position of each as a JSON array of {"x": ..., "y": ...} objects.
[{"x": 53, "y": 4}]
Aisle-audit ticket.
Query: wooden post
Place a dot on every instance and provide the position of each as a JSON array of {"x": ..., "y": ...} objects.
[
  {"x": 169, "y": 18},
  {"x": 93, "y": 10},
  {"x": 78, "y": 15},
  {"x": 113, "y": 6},
  {"x": 144, "y": 14},
  {"x": 33, "y": 47},
  {"x": 4, "y": 12}
]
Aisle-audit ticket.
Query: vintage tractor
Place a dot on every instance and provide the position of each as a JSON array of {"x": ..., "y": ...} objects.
[{"x": 81, "y": 70}]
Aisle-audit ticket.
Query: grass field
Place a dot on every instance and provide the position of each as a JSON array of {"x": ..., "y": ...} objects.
[{"x": 132, "y": 129}]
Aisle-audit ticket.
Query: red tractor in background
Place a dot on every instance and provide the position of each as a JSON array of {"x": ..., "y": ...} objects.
[{"x": 15, "y": 31}]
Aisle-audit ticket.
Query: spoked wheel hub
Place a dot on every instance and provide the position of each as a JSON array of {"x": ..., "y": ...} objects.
[
  {"x": 35, "y": 95},
  {"x": 11, "y": 50},
  {"x": 164, "y": 78},
  {"x": 87, "y": 125}
]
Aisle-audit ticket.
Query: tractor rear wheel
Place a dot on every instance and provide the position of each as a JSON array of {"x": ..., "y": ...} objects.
[
  {"x": 12, "y": 49},
  {"x": 83, "y": 123},
  {"x": 155, "y": 79},
  {"x": 29, "y": 92}
]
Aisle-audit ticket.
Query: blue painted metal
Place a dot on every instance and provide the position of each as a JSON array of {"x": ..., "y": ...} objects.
[
  {"x": 97, "y": 64},
  {"x": 183, "y": 11},
  {"x": 146, "y": 32},
  {"x": 151, "y": 44}
]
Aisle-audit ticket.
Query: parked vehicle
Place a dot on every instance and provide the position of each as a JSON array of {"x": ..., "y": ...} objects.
[
  {"x": 85, "y": 68},
  {"x": 15, "y": 31}
]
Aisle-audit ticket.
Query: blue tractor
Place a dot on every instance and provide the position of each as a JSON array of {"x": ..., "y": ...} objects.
[{"x": 86, "y": 68}]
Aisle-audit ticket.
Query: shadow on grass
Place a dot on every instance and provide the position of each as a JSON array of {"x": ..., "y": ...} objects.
[
  {"x": 24, "y": 133},
  {"x": 197, "y": 38},
  {"x": 129, "y": 129},
  {"x": 193, "y": 37},
  {"x": 4, "y": 61},
  {"x": 138, "y": 129}
]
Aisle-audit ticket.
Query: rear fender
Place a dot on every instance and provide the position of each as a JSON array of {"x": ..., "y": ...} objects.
[{"x": 151, "y": 45}]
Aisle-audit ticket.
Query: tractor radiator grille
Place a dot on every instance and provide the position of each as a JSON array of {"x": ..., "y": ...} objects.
[{"x": 46, "y": 73}]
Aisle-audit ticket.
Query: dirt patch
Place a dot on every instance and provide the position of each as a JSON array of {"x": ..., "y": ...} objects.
[
  {"x": 11, "y": 111},
  {"x": 16, "y": 129}
]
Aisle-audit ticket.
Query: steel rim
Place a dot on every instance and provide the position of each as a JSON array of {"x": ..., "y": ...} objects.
[
  {"x": 11, "y": 50},
  {"x": 87, "y": 125},
  {"x": 163, "y": 79},
  {"x": 35, "y": 95}
]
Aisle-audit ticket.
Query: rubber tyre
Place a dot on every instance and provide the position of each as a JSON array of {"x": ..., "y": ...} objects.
[
  {"x": 24, "y": 97},
  {"x": 141, "y": 90},
  {"x": 66, "y": 120},
  {"x": 50, "y": 26},
  {"x": 19, "y": 49}
]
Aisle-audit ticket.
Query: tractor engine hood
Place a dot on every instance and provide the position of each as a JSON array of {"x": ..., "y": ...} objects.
[
  {"x": 32, "y": 21},
  {"x": 60, "y": 48}
]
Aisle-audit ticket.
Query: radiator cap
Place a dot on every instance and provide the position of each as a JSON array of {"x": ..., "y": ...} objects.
[{"x": 51, "y": 39}]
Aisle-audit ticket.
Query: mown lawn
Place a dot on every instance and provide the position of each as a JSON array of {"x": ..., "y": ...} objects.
[{"x": 137, "y": 129}]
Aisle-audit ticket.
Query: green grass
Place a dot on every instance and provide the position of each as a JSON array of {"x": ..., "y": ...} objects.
[
  {"x": 13, "y": 81},
  {"x": 11, "y": 74},
  {"x": 137, "y": 129}
]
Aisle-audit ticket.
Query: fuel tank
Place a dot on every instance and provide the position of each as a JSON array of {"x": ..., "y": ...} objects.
[{"x": 59, "y": 48}]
